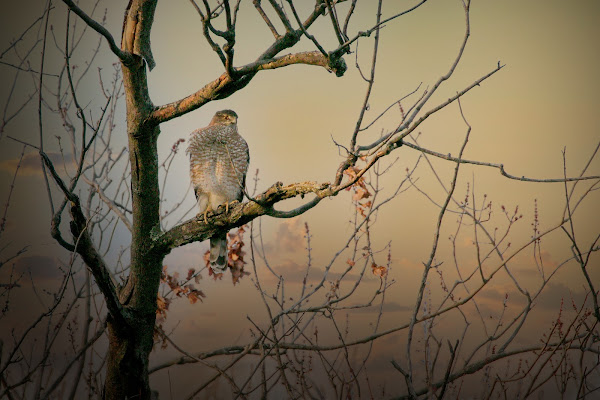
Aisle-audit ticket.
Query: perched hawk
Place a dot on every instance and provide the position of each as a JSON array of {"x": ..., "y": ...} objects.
[{"x": 219, "y": 160}]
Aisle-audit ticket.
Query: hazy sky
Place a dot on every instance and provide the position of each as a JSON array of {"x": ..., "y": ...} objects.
[{"x": 545, "y": 100}]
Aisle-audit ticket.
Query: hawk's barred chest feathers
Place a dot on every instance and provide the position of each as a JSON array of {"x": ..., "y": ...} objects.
[{"x": 219, "y": 160}]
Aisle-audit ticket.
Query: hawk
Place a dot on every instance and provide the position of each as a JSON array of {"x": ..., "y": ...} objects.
[{"x": 219, "y": 160}]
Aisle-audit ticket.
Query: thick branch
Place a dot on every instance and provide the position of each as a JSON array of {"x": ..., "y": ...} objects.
[
  {"x": 225, "y": 85},
  {"x": 309, "y": 58},
  {"x": 85, "y": 248},
  {"x": 137, "y": 25},
  {"x": 211, "y": 91},
  {"x": 196, "y": 230}
]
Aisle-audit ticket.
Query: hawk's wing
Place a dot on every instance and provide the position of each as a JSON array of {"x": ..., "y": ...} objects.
[{"x": 245, "y": 172}]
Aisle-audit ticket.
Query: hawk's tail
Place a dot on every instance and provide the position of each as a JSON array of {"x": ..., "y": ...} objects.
[{"x": 218, "y": 253}]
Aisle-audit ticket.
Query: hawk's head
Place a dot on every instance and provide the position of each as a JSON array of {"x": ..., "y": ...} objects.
[{"x": 224, "y": 117}]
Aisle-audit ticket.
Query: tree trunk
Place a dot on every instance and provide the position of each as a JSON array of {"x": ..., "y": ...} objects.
[
  {"x": 130, "y": 345},
  {"x": 127, "y": 363}
]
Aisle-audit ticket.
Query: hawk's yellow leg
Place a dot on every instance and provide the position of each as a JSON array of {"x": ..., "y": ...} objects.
[
  {"x": 228, "y": 203},
  {"x": 206, "y": 212}
]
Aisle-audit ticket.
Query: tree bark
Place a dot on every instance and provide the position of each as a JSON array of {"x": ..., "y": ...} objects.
[{"x": 130, "y": 344}]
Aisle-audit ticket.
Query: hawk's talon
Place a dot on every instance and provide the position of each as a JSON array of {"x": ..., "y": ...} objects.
[
  {"x": 205, "y": 213},
  {"x": 228, "y": 204}
]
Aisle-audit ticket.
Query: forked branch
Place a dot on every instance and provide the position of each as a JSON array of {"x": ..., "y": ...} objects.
[
  {"x": 125, "y": 57},
  {"x": 85, "y": 248}
]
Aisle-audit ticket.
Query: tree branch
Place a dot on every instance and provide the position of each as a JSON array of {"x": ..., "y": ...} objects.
[
  {"x": 80, "y": 353},
  {"x": 110, "y": 203},
  {"x": 205, "y": 30},
  {"x": 229, "y": 83},
  {"x": 281, "y": 14},
  {"x": 467, "y": 370},
  {"x": 308, "y": 58},
  {"x": 225, "y": 85},
  {"x": 85, "y": 248},
  {"x": 499, "y": 166},
  {"x": 137, "y": 25},
  {"x": 304, "y": 30},
  {"x": 367, "y": 33},
  {"x": 476, "y": 366},
  {"x": 264, "y": 16},
  {"x": 195, "y": 229},
  {"x": 125, "y": 57}
]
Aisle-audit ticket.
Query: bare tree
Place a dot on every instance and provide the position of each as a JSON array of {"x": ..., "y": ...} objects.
[{"x": 102, "y": 192}]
